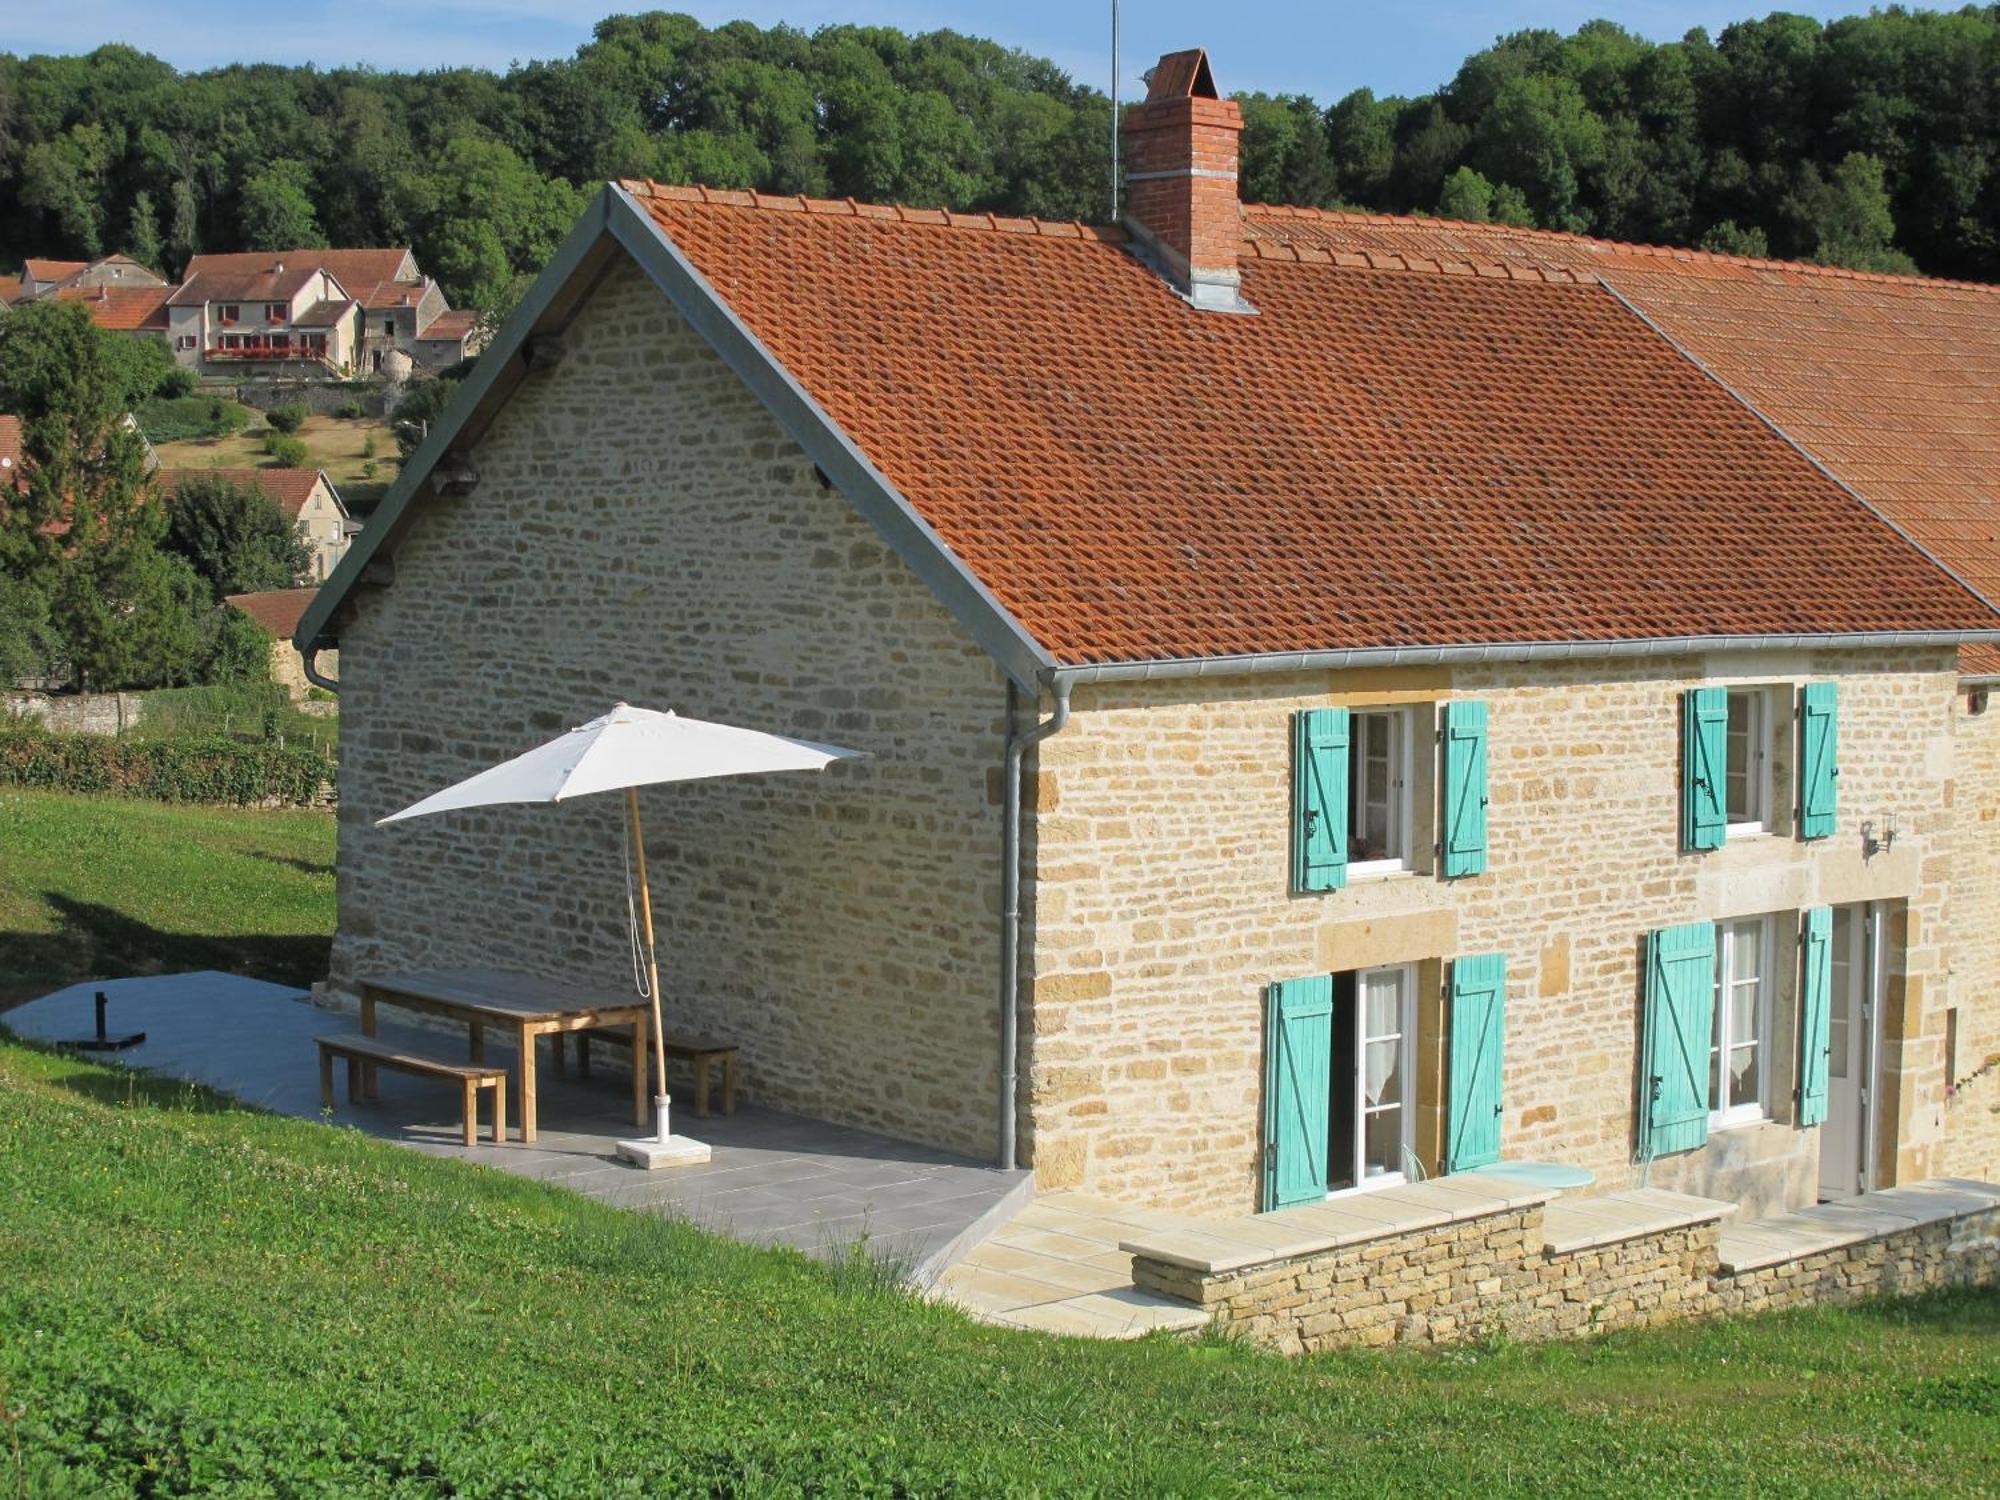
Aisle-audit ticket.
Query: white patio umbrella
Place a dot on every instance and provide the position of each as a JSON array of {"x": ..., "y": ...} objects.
[{"x": 624, "y": 750}]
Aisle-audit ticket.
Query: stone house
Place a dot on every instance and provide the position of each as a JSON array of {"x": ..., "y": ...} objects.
[
  {"x": 306, "y": 496},
  {"x": 1336, "y": 715},
  {"x": 338, "y": 310},
  {"x": 121, "y": 294},
  {"x": 279, "y": 612}
]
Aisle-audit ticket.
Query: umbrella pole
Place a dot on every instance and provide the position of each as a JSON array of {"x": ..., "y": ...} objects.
[{"x": 638, "y": 837}]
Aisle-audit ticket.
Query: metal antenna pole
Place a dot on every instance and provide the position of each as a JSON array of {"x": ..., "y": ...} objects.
[{"x": 1114, "y": 111}]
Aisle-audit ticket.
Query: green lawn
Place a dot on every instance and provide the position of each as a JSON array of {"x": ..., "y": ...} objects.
[
  {"x": 200, "y": 1300},
  {"x": 100, "y": 887}
]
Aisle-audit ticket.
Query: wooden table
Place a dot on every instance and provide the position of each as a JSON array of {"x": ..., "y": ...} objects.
[{"x": 525, "y": 1007}]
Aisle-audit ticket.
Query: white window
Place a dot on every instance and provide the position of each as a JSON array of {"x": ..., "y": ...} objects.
[
  {"x": 1372, "y": 1123},
  {"x": 1378, "y": 824},
  {"x": 184, "y": 341},
  {"x": 274, "y": 312},
  {"x": 1747, "y": 779},
  {"x": 231, "y": 312},
  {"x": 1739, "y": 1050}
]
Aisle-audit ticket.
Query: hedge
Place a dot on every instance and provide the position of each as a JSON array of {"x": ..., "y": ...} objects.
[{"x": 205, "y": 769}]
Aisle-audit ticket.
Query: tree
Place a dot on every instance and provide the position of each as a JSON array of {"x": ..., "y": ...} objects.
[
  {"x": 1731, "y": 238},
  {"x": 27, "y": 644},
  {"x": 1847, "y": 215},
  {"x": 278, "y": 209},
  {"x": 142, "y": 232},
  {"x": 1466, "y": 196},
  {"x": 232, "y": 648},
  {"x": 84, "y": 533},
  {"x": 235, "y": 537},
  {"x": 419, "y": 409}
]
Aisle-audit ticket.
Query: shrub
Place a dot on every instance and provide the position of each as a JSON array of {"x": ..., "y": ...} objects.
[
  {"x": 288, "y": 418},
  {"x": 286, "y": 451},
  {"x": 350, "y": 411},
  {"x": 368, "y": 469},
  {"x": 176, "y": 419},
  {"x": 368, "y": 446},
  {"x": 178, "y": 382},
  {"x": 209, "y": 769}
]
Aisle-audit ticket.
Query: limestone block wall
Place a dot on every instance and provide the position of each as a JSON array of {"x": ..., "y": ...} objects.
[
  {"x": 1493, "y": 1275},
  {"x": 1161, "y": 912},
  {"x": 1972, "y": 1113},
  {"x": 642, "y": 529}
]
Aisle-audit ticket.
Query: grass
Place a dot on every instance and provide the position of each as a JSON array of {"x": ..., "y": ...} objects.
[
  {"x": 334, "y": 443},
  {"x": 197, "y": 1299},
  {"x": 239, "y": 711},
  {"x": 102, "y": 887}
]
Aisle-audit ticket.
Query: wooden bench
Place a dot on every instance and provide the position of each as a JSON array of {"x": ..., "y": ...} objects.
[
  {"x": 362, "y": 1053},
  {"x": 696, "y": 1051}
]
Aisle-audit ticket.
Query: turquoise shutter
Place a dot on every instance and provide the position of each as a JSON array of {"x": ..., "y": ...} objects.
[
  {"x": 1464, "y": 851},
  {"x": 1298, "y": 1090},
  {"x": 1704, "y": 760},
  {"x": 1815, "y": 1001},
  {"x": 1478, "y": 1049},
  {"x": 1819, "y": 759},
  {"x": 1319, "y": 799},
  {"x": 1680, "y": 1021}
]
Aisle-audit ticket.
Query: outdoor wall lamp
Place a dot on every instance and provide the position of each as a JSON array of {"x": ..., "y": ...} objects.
[{"x": 1870, "y": 844}]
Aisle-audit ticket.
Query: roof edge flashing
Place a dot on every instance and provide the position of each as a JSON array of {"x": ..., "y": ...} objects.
[{"x": 1516, "y": 651}]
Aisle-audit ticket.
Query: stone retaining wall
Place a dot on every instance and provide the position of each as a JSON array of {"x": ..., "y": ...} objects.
[
  {"x": 1494, "y": 1274},
  {"x": 76, "y": 713},
  {"x": 1956, "y": 1252}
]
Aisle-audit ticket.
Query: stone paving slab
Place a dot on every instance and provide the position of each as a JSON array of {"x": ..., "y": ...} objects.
[
  {"x": 1771, "y": 1241},
  {"x": 1218, "y": 1246},
  {"x": 1578, "y": 1224},
  {"x": 773, "y": 1178}
]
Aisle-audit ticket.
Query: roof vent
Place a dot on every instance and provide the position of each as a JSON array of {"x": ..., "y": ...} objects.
[{"x": 1180, "y": 179}]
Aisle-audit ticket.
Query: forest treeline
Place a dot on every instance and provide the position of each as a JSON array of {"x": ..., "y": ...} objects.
[{"x": 1872, "y": 141}]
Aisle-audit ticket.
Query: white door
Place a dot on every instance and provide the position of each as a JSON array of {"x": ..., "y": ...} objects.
[{"x": 1850, "y": 1022}]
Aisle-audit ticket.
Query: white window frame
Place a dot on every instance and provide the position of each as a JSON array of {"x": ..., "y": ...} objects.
[
  {"x": 1406, "y": 1039},
  {"x": 1724, "y": 999},
  {"x": 1400, "y": 812},
  {"x": 1757, "y": 774}
]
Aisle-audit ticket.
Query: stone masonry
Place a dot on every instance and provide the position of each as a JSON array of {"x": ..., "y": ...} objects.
[
  {"x": 1162, "y": 911},
  {"x": 642, "y": 529},
  {"x": 1972, "y": 1111},
  {"x": 1494, "y": 1274}
]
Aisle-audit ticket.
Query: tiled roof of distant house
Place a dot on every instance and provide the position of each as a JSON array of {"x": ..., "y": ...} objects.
[
  {"x": 356, "y": 270},
  {"x": 324, "y": 314},
  {"x": 456, "y": 325},
  {"x": 277, "y": 610},
  {"x": 289, "y": 489},
  {"x": 54, "y": 270},
  {"x": 126, "y": 309},
  {"x": 10, "y": 288}
]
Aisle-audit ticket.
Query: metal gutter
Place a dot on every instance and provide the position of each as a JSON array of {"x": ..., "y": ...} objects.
[
  {"x": 308, "y": 656},
  {"x": 1018, "y": 746},
  {"x": 315, "y": 626},
  {"x": 1522, "y": 651},
  {"x": 866, "y": 488}
]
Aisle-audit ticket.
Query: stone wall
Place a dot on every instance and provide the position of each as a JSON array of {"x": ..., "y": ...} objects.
[
  {"x": 77, "y": 713},
  {"x": 1972, "y": 1113},
  {"x": 1493, "y": 1275},
  {"x": 644, "y": 530},
  {"x": 1161, "y": 912}
]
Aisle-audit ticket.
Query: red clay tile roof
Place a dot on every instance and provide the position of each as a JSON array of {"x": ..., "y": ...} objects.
[
  {"x": 386, "y": 296},
  {"x": 127, "y": 309},
  {"x": 357, "y": 271},
  {"x": 1374, "y": 459},
  {"x": 269, "y": 284},
  {"x": 456, "y": 325},
  {"x": 1892, "y": 382},
  {"x": 54, "y": 270},
  {"x": 10, "y": 288},
  {"x": 277, "y": 610},
  {"x": 288, "y": 489},
  {"x": 324, "y": 314}
]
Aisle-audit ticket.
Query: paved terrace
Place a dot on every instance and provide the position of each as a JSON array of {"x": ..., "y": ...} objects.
[{"x": 774, "y": 1179}]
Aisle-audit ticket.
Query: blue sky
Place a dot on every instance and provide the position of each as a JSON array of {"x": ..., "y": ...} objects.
[{"x": 1281, "y": 46}]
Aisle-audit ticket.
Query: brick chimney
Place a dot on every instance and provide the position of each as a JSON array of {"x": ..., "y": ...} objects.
[{"x": 1180, "y": 181}]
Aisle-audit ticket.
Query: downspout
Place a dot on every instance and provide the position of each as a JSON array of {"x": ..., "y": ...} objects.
[
  {"x": 1018, "y": 746},
  {"x": 313, "y": 674}
]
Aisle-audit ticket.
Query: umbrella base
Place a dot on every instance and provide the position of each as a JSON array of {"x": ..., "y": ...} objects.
[{"x": 654, "y": 1153}]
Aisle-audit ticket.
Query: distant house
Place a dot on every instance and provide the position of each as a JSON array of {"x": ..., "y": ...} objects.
[
  {"x": 344, "y": 310},
  {"x": 279, "y": 611},
  {"x": 122, "y": 295},
  {"x": 306, "y": 496}
]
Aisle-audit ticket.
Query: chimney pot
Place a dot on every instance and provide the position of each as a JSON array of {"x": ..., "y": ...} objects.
[{"x": 1180, "y": 181}]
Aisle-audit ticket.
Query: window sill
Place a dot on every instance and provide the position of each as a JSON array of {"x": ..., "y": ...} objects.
[
  {"x": 1379, "y": 869},
  {"x": 1740, "y": 833},
  {"x": 1738, "y": 1119}
]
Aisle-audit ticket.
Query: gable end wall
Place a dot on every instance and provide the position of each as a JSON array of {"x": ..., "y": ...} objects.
[{"x": 642, "y": 529}]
